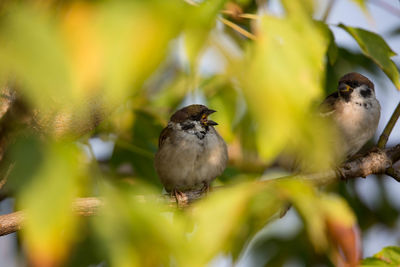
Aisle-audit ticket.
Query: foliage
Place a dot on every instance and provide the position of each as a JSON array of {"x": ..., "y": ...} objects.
[
  {"x": 389, "y": 256},
  {"x": 129, "y": 65}
]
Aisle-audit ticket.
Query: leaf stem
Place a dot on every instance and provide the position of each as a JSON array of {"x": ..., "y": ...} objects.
[
  {"x": 389, "y": 127},
  {"x": 238, "y": 29}
]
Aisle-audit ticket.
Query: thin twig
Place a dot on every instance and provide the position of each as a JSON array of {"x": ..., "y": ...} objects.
[
  {"x": 389, "y": 127},
  {"x": 328, "y": 10},
  {"x": 395, "y": 174},
  {"x": 249, "y": 16},
  {"x": 243, "y": 16},
  {"x": 238, "y": 29}
]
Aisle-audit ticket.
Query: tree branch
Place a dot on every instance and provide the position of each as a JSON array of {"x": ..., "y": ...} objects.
[
  {"x": 389, "y": 127},
  {"x": 12, "y": 222},
  {"x": 373, "y": 162}
]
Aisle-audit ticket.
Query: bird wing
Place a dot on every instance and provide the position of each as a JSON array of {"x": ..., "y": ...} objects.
[
  {"x": 164, "y": 135},
  {"x": 328, "y": 106}
]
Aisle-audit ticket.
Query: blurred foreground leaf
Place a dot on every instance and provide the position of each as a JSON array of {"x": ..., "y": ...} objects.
[
  {"x": 137, "y": 233},
  {"x": 86, "y": 59},
  {"x": 202, "y": 19},
  {"x": 227, "y": 219},
  {"x": 50, "y": 225},
  {"x": 282, "y": 76},
  {"x": 375, "y": 47}
]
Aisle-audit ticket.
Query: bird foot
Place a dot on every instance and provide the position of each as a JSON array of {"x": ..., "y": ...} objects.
[
  {"x": 181, "y": 198},
  {"x": 206, "y": 188}
]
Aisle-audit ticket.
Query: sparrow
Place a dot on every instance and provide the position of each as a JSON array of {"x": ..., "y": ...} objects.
[
  {"x": 354, "y": 110},
  {"x": 191, "y": 153}
]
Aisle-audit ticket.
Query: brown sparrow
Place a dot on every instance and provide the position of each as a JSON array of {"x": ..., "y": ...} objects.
[
  {"x": 355, "y": 111},
  {"x": 191, "y": 153}
]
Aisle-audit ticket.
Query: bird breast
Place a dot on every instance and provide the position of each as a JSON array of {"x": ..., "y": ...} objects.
[
  {"x": 188, "y": 159},
  {"x": 357, "y": 123}
]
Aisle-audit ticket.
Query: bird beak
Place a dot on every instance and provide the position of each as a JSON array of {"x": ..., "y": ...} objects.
[
  {"x": 211, "y": 123},
  {"x": 210, "y": 111},
  {"x": 344, "y": 88},
  {"x": 205, "y": 121}
]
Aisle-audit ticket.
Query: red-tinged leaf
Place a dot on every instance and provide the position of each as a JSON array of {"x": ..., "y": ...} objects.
[{"x": 346, "y": 241}]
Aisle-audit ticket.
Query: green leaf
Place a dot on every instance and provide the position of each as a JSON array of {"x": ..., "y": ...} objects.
[
  {"x": 138, "y": 149},
  {"x": 375, "y": 47},
  {"x": 362, "y": 4},
  {"x": 50, "y": 224},
  {"x": 201, "y": 20},
  {"x": 281, "y": 77},
  {"x": 389, "y": 256},
  {"x": 137, "y": 233}
]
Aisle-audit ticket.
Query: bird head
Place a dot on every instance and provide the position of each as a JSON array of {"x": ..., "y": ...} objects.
[
  {"x": 195, "y": 113},
  {"x": 355, "y": 82}
]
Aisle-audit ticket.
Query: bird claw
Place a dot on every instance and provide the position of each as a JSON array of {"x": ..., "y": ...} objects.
[
  {"x": 206, "y": 188},
  {"x": 181, "y": 198}
]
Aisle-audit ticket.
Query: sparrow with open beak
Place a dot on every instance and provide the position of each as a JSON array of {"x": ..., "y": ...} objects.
[
  {"x": 191, "y": 153},
  {"x": 355, "y": 111}
]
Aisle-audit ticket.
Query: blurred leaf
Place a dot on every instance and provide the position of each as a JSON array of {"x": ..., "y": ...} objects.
[
  {"x": 299, "y": 8},
  {"x": 343, "y": 232},
  {"x": 281, "y": 77},
  {"x": 42, "y": 66},
  {"x": 135, "y": 36},
  {"x": 224, "y": 98},
  {"x": 389, "y": 256},
  {"x": 139, "y": 148},
  {"x": 362, "y": 4},
  {"x": 50, "y": 224},
  {"x": 332, "y": 48},
  {"x": 303, "y": 198},
  {"x": 137, "y": 233},
  {"x": 375, "y": 47},
  {"x": 202, "y": 19},
  {"x": 226, "y": 219},
  {"x": 26, "y": 155},
  {"x": 394, "y": 32},
  {"x": 85, "y": 60}
]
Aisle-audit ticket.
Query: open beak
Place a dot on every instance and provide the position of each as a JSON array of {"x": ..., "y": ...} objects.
[
  {"x": 210, "y": 111},
  {"x": 344, "y": 88},
  {"x": 211, "y": 123},
  {"x": 205, "y": 121}
]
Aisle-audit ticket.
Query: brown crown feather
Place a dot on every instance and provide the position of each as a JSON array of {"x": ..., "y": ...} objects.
[
  {"x": 355, "y": 76},
  {"x": 187, "y": 112}
]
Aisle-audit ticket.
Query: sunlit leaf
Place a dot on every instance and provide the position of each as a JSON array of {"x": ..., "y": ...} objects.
[
  {"x": 47, "y": 200},
  {"x": 300, "y": 7},
  {"x": 42, "y": 67},
  {"x": 204, "y": 16},
  {"x": 304, "y": 199},
  {"x": 389, "y": 256},
  {"x": 138, "y": 233},
  {"x": 225, "y": 219},
  {"x": 362, "y": 4},
  {"x": 375, "y": 47},
  {"x": 281, "y": 77}
]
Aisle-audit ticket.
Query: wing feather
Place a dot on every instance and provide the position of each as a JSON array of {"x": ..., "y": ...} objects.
[{"x": 328, "y": 106}]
